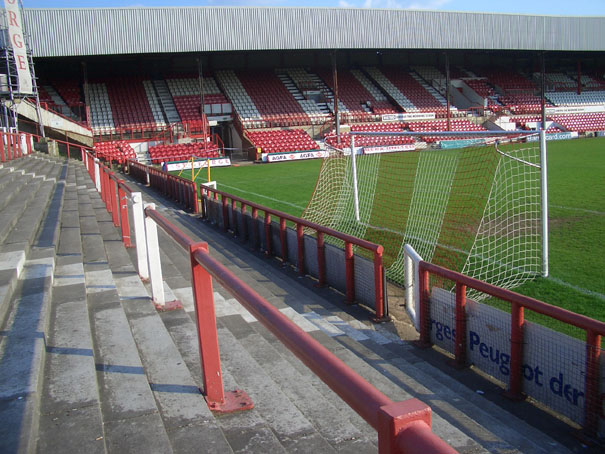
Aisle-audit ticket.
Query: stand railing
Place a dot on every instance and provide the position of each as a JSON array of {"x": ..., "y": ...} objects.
[
  {"x": 403, "y": 427},
  {"x": 228, "y": 217},
  {"x": 464, "y": 339},
  {"x": 179, "y": 189}
]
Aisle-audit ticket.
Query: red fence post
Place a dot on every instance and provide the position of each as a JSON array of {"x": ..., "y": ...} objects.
[
  {"x": 9, "y": 147},
  {"x": 300, "y": 242},
  {"x": 516, "y": 352},
  {"x": 268, "y": 239},
  {"x": 225, "y": 213},
  {"x": 114, "y": 202},
  {"x": 283, "y": 240},
  {"x": 2, "y": 152},
  {"x": 107, "y": 181},
  {"x": 460, "y": 337},
  {"x": 102, "y": 183},
  {"x": 196, "y": 208},
  {"x": 381, "y": 313},
  {"x": 349, "y": 272},
  {"x": 206, "y": 329},
  {"x": 425, "y": 333},
  {"x": 244, "y": 223},
  {"x": 254, "y": 228},
  {"x": 395, "y": 418},
  {"x": 594, "y": 405},
  {"x": 321, "y": 260},
  {"x": 234, "y": 214},
  {"x": 124, "y": 222}
]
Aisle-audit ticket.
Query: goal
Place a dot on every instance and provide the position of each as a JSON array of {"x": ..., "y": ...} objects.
[{"x": 473, "y": 202}]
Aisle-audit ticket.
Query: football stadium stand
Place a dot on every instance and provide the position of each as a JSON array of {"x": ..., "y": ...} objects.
[
  {"x": 118, "y": 336},
  {"x": 183, "y": 151},
  {"x": 276, "y": 141}
]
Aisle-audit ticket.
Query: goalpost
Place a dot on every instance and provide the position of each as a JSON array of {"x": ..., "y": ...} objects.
[{"x": 475, "y": 202}]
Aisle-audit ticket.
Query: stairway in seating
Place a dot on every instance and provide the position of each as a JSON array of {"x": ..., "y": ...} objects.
[
  {"x": 292, "y": 78},
  {"x": 166, "y": 101},
  {"x": 429, "y": 88},
  {"x": 328, "y": 95},
  {"x": 58, "y": 100},
  {"x": 88, "y": 365},
  {"x": 382, "y": 81}
]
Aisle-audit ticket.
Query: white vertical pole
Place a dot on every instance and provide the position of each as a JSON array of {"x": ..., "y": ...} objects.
[
  {"x": 411, "y": 279},
  {"x": 153, "y": 260},
  {"x": 544, "y": 200},
  {"x": 355, "y": 189},
  {"x": 138, "y": 217},
  {"x": 97, "y": 175}
]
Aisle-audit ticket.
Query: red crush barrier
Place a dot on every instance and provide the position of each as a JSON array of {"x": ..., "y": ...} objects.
[
  {"x": 403, "y": 427},
  {"x": 349, "y": 241},
  {"x": 594, "y": 331}
]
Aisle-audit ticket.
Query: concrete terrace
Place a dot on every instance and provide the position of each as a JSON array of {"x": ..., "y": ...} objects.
[{"x": 88, "y": 365}]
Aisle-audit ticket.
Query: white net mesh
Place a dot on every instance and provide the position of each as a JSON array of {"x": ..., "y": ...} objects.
[{"x": 474, "y": 209}]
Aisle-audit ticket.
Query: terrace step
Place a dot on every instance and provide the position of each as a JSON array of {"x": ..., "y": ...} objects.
[
  {"x": 27, "y": 264},
  {"x": 166, "y": 101},
  {"x": 393, "y": 366},
  {"x": 21, "y": 223},
  {"x": 70, "y": 413},
  {"x": 131, "y": 419},
  {"x": 173, "y": 411}
]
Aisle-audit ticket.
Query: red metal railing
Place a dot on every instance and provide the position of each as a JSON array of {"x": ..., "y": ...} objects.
[
  {"x": 135, "y": 133},
  {"x": 594, "y": 330},
  {"x": 375, "y": 250},
  {"x": 403, "y": 427},
  {"x": 10, "y": 146},
  {"x": 179, "y": 189}
]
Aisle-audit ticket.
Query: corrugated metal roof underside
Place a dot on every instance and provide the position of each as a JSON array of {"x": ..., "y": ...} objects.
[{"x": 76, "y": 32}]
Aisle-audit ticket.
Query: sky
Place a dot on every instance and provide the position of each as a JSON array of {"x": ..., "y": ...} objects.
[{"x": 540, "y": 7}]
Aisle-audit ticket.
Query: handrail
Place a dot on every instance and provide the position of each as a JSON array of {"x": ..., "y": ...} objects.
[
  {"x": 82, "y": 124},
  {"x": 348, "y": 384},
  {"x": 401, "y": 426},
  {"x": 381, "y": 307},
  {"x": 312, "y": 225},
  {"x": 594, "y": 329},
  {"x": 558, "y": 313},
  {"x": 173, "y": 231}
]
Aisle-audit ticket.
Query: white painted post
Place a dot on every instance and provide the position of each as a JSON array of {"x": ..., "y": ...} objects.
[
  {"x": 138, "y": 218},
  {"x": 412, "y": 289},
  {"x": 153, "y": 259},
  {"x": 354, "y": 169},
  {"x": 97, "y": 175},
  {"x": 544, "y": 201}
]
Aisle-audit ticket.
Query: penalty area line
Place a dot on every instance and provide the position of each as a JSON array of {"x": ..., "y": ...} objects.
[
  {"x": 583, "y": 210},
  {"x": 582, "y": 290},
  {"x": 263, "y": 196}
]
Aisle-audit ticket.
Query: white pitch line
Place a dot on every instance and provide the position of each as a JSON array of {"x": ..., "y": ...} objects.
[
  {"x": 583, "y": 210},
  {"x": 264, "y": 196},
  {"x": 575, "y": 287}
]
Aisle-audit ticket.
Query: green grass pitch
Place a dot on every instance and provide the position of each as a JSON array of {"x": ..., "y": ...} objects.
[{"x": 576, "y": 170}]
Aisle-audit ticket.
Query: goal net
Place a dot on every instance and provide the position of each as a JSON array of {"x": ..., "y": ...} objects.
[{"x": 471, "y": 203}]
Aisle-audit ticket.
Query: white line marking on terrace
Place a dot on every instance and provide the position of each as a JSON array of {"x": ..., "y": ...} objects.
[
  {"x": 263, "y": 196},
  {"x": 583, "y": 210},
  {"x": 578, "y": 289}
]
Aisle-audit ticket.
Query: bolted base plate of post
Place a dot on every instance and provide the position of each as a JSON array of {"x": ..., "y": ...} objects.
[
  {"x": 384, "y": 319},
  {"x": 169, "y": 306},
  {"x": 236, "y": 400}
]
